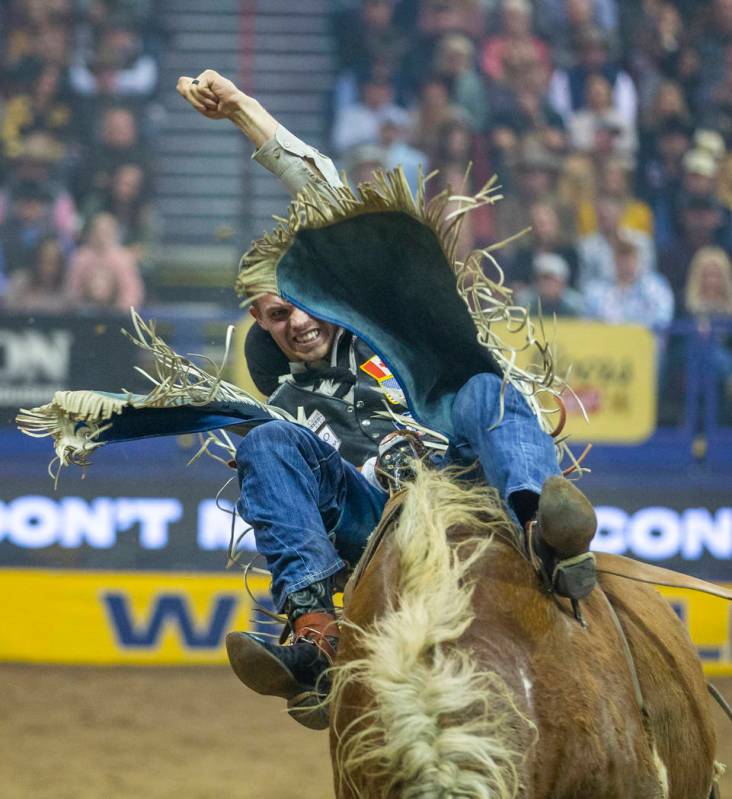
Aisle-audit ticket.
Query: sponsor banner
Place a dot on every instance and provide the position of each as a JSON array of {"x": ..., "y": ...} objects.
[
  {"x": 709, "y": 622},
  {"x": 122, "y": 617},
  {"x": 134, "y": 523},
  {"x": 695, "y": 540},
  {"x": 182, "y": 618},
  {"x": 124, "y": 526},
  {"x": 612, "y": 370},
  {"x": 43, "y": 354}
]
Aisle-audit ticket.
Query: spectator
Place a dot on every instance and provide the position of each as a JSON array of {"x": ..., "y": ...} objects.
[
  {"x": 433, "y": 110},
  {"x": 104, "y": 274},
  {"x": 712, "y": 142},
  {"x": 29, "y": 221},
  {"x": 550, "y": 293},
  {"x": 38, "y": 162},
  {"x": 661, "y": 173},
  {"x": 118, "y": 143},
  {"x": 701, "y": 225},
  {"x": 597, "y": 251},
  {"x": 614, "y": 181},
  {"x": 521, "y": 109},
  {"x": 599, "y": 126},
  {"x": 545, "y": 238},
  {"x": 535, "y": 173},
  {"x": 515, "y": 36},
  {"x": 118, "y": 65},
  {"x": 724, "y": 182},
  {"x": 563, "y": 22},
  {"x": 454, "y": 63},
  {"x": 715, "y": 53},
  {"x": 365, "y": 34},
  {"x": 34, "y": 32},
  {"x": 393, "y": 139},
  {"x": 361, "y": 123},
  {"x": 362, "y": 162},
  {"x": 365, "y": 37},
  {"x": 438, "y": 17},
  {"x": 435, "y": 19},
  {"x": 708, "y": 291},
  {"x": 128, "y": 202},
  {"x": 39, "y": 288},
  {"x": 668, "y": 102},
  {"x": 700, "y": 173},
  {"x": 708, "y": 301},
  {"x": 699, "y": 180},
  {"x": 657, "y": 42},
  {"x": 43, "y": 108},
  {"x": 568, "y": 88},
  {"x": 632, "y": 294},
  {"x": 454, "y": 154}
]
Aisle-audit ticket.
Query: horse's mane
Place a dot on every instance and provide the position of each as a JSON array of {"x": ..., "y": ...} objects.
[{"x": 436, "y": 725}]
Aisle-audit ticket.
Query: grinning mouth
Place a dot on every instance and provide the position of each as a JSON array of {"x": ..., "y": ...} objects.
[{"x": 307, "y": 338}]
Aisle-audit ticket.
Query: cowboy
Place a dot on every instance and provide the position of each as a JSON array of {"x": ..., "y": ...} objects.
[{"x": 305, "y": 488}]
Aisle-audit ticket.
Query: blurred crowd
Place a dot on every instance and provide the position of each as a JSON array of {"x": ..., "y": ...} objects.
[
  {"x": 77, "y": 223},
  {"x": 608, "y": 123}
]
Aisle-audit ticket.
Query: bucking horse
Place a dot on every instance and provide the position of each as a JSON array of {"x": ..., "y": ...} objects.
[{"x": 459, "y": 676}]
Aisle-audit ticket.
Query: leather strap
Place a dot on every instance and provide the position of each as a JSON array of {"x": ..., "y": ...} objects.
[
  {"x": 627, "y": 653},
  {"x": 629, "y": 569},
  {"x": 318, "y": 627}
]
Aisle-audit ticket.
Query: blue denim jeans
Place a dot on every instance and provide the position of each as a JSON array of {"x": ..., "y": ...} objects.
[{"x": 312, "y": 511}]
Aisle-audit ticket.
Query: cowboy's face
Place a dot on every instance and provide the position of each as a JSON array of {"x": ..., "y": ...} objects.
[{"x": 300, "y": 336}]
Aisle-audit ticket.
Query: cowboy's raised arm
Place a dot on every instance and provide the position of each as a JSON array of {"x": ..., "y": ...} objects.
[{"x": 290, "y": 159}]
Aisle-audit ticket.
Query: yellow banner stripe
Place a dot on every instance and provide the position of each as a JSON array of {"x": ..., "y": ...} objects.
[{"x": 163, "y": 618}]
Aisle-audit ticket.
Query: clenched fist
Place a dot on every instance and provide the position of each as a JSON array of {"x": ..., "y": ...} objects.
[{"x": 214, "y": 96}]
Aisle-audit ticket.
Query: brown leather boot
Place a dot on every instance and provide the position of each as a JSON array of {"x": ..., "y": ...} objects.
[
  {"x": 560, "y": 538},
  {"x": 566, "y": 517}
]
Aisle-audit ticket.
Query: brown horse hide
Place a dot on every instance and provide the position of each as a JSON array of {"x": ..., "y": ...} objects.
[{"x": 552, "y": 701}]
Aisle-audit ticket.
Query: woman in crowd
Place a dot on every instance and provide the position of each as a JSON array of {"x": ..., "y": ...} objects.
[
  {"x": 614, "y": 181},
  {"x": 39, "y": 289},
  {"x": 708, "y": 302},
  {"x": 127, "y": 200},
  {"x": 103, "y": 273}
]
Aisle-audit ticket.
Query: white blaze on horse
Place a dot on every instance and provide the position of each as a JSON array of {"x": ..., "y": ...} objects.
[{"x": 458, "y": 676}]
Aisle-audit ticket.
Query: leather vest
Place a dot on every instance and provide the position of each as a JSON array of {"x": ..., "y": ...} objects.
[{"x": 339, "y": 403}]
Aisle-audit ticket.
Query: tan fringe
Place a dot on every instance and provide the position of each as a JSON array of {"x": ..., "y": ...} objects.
[
  {"x": 75, "y": 419},
  {"x": 489, "y": 300}
]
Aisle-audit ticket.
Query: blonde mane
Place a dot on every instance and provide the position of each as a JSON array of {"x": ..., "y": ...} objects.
[{"x": 436, "y": 726}]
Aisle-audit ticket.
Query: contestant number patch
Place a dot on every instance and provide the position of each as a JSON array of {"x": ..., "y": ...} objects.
[
  {"x": 317, "y": 423},
  {"x": 381, "y": 373}
]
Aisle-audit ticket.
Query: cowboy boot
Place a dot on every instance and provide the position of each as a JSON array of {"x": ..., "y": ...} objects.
[
  {"x": 294, "y": 671},
  {"x": 560, "y": 537}
]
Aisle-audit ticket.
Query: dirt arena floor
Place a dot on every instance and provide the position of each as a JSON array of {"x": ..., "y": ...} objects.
[{"x": 187, "y": 733}]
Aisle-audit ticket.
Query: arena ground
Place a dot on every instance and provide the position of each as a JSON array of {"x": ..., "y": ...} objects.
[{"x": 188, "y": 733}]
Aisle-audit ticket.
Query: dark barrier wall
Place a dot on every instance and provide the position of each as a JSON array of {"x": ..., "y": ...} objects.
[{"x": 43, "y": 354}]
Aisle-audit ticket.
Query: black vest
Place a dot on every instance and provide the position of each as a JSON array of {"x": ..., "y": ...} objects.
[{"x": 339, "y": 403}]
